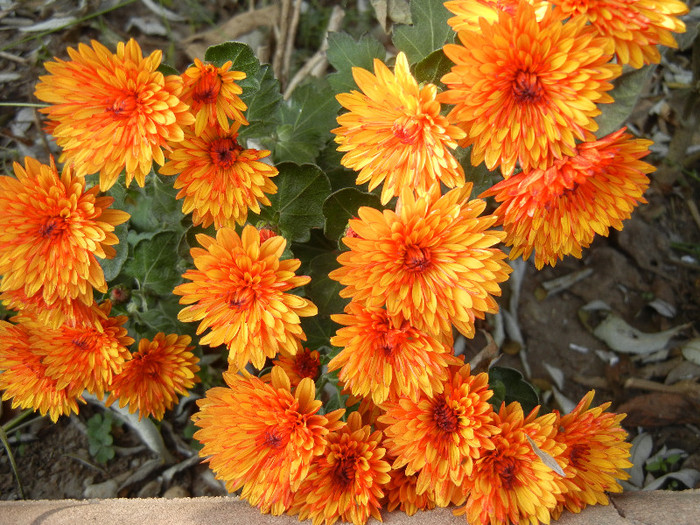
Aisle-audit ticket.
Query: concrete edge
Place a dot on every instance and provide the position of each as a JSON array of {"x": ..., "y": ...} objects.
[{"x": 634, "y": 508}]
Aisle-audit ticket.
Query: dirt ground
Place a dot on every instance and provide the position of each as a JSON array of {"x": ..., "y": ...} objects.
[{"x": 647, "y": 275}]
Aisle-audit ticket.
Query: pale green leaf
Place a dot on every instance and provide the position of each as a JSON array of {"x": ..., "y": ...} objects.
[{"x": 427, "y": 34}]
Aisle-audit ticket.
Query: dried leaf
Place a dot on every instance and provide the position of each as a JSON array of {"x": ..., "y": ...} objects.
[
  {"x": 688, "y": 476},
  {"x": 546, "y": 458},
  {"x": 642, "y": 446},
  {"x": 556, "y": 373},
  {"x": 691, "y": 350},
  {"x": 622, "y": 337}
]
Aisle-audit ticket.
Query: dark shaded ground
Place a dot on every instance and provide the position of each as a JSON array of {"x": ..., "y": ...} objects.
[{"x": 630, "y": 270}]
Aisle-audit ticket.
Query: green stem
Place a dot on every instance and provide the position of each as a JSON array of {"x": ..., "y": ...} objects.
[
  {"x": 22, "y": 105},
  {"x": 3, "y": 438},
  {"x": 12, "y": 423},
  {"x": 73, "y": 22}
]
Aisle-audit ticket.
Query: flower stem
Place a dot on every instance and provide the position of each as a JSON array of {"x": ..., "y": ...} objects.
[
  {"x": 22, "y": 105},
  {"x": 3, "y": 438}
]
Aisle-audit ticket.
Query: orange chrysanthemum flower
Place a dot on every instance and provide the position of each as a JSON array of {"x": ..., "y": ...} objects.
[
  {"x": 113, "y": 111},
  {"x": 262, "y": 437},
  {"x": 23, "y": 376},
  {"x": 401, "y": 493},
  {"x": 440, "y": 437},
  {"x": 597, "y": 454},
  {"x": 154, "y": 376},
  {"x": 239, "y": 292},
  {"x": 384, "y": 356},
  {"x": 634, "y": 27},
  {"x": 51, "y": 232},
  {"x": 468, "y": 12},
  {"x": 394, "y": 132},
  {"x": 218, "y": 178},
  {"x": 524, "y": 90},
  {"x": 305, "y": 363},
  {"x": 85, "y": 356},
  {"x": 346, "y": 482},
  {"x": 430, "y": 261},
  {"x": 558, "y": 211},
  {"x": 510, "y": 483},
  {"x": 212, "y": 94}
]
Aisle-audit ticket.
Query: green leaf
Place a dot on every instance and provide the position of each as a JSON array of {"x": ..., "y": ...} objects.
[
  {"x": 628, "y": 88},
  {"x": 322, "y": 290},
  {"x": 112, "y": 267},
  {"x": 167, "y": 70},
  {"x": 344, "y": 53},
  {"x": 433, "y": 67},
  {"x": 516, "y": 388},
  {"x": 153, "y": 208},
  {"x": 318, "y": 330},
  {"x": 342, "y": 205},
  {"x": 305, "y": 124},
  {"x": 263, "y": 105},
  {"x": 429, "y": 30},
  {"x": 239, "y": 53},
  {"x": 297, "y": 205},
  {"x": 153, "y": 263}
]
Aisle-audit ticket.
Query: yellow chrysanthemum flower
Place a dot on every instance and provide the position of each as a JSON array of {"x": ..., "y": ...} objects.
[
  {"x": 394, "y": 132},
  {"x": 112, "y": 111}
]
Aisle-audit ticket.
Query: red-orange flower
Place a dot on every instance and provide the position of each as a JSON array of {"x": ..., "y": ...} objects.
[
  {"x": 524, "y": 90},
  {"x": 23, "y": 376},
  {"x": 85, "y": 356},
  {"x": 558, "y": 211},
  {"x": 305, "y": 363},
  {"x": 509, "y": 482},
  {"x": 218, "y": 178},
  {"x": 112, "y": 111},
  {"x": 51, "y": 232},
  {"x": 239, "y": 292},
  {"x": 261, "y": 437},
  {"x": 597, "y": 454},
  {"x": 154, "y": 376},
  {"x": 345, "y": 482},
  {"x": 384, "y": 356},
  {"x": 212, "y": 94},
  {"x": 468, "y": 12},
  {"x": 394, "y": 132},
  {"x": 431, "y": 260},
  {"x": 401, "y": 493},
  {"x": 634, "y": 27},
  {"x": 439, "y": 438}
]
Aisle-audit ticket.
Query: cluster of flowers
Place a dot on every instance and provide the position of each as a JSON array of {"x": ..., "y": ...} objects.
[{"x": 524, "y": 88}]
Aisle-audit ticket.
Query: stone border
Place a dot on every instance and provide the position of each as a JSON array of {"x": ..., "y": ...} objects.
[{"x": 634, "y": 508}]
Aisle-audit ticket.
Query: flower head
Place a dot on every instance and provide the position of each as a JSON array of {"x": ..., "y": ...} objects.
[
  {"x": 439, "y": 437},
  {"x": 305, "y": 363},
  {"x": 151, "y": 380},
  {"x": 510, "y": 483},
  {"x": 212, "y": 94},
  {"x": 346, "y": 481},
  {"x": 394, "y": 132},
  {"x": 468, "y": 12},
  {"x": 524, "y": 90},
  {"x": 384, "y": 356},
  {"x": 239, "y": 292},
  {"x": 596, "y": 451},
  {"x": 87, "y": 355},
  {"x": 261, "y": 437},
  {"x": 431, "y": 260},
  {"x": 51, "y": 232},
  {"x": 634, "y": 28},
  {"x": 112, "y": 111},
  {"x": 558, "y": 211},
  {"x": 23, "y": 376},
  {"x": 401, "y": 493},
  {"x": 218, "y": 178}
]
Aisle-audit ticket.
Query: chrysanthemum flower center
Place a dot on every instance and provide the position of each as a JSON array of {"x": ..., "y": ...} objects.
[
  {"x": 446, "y": 419},
  {"x": 527, "y": 88},
  {"x": 53, "y": 228},
  {"x": 273, "y": 438},
  {"x": 206, "y": 91},
  {"x": 224, "y": 152},
  {"x": 306, "y": 365},
  {"x": 125, "y": 105},
  {"x": 407, "y": 130},
  {"x": 416, "y": 259},
  {"x": 241, "y": 298},
  {"x": 507, "y": 469},
  {"x": 578, "y": 455},
  {"x": 345, "y": 468}
]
